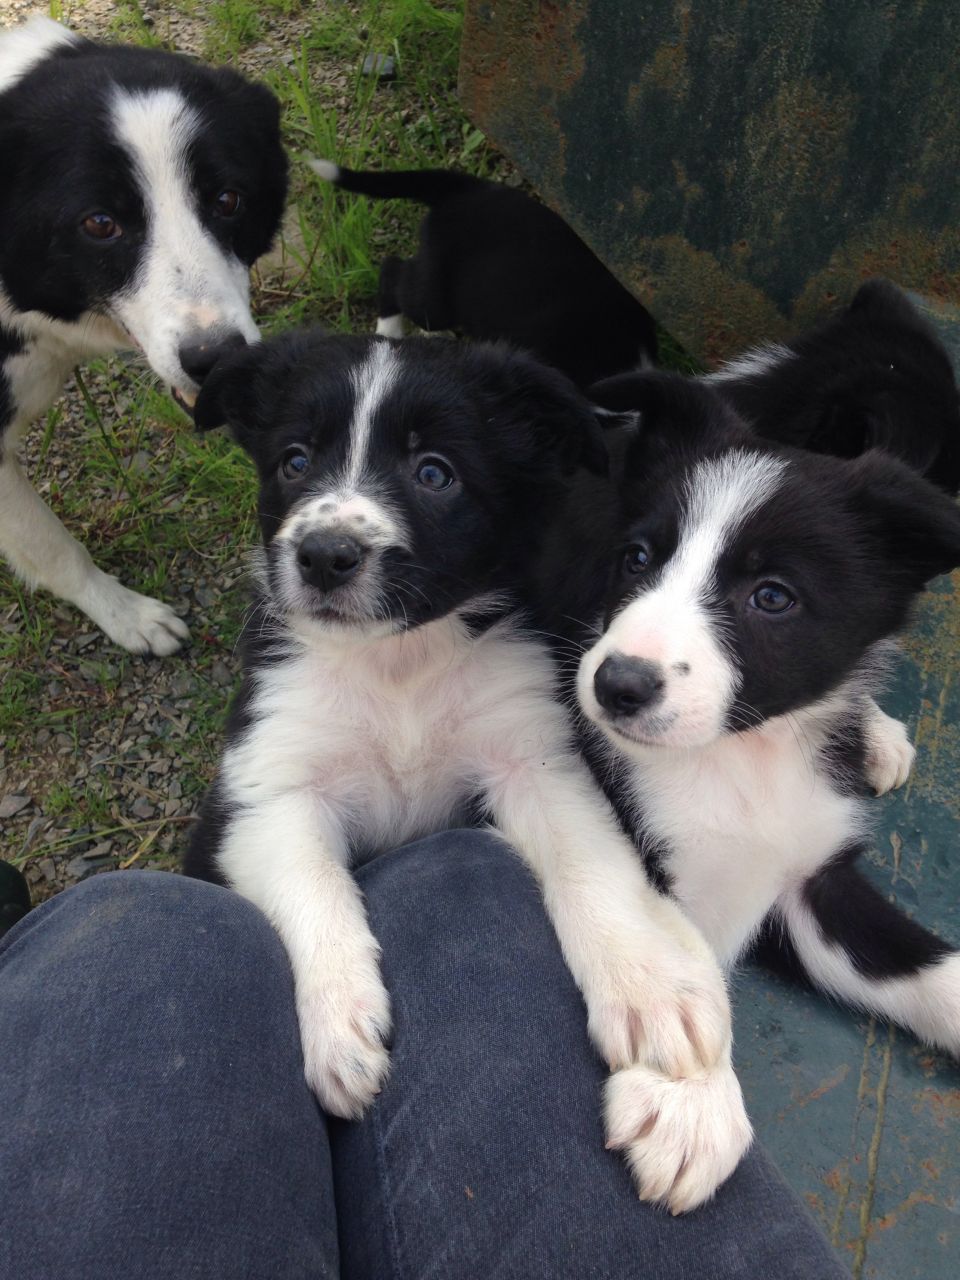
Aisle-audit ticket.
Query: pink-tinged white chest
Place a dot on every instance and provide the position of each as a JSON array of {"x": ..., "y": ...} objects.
[{"x": 741, "y": 821}]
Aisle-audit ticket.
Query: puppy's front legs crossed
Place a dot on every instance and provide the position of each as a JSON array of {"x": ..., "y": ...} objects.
[{"x": 657, "y": 1006}]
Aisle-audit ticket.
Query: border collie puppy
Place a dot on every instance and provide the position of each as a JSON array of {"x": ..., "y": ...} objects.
[
  {"x": 391, "y": 689},
  {"x": 495, "y": 264},
  {"x": 752, "y": 599},
  {"x": 874, "y": 376},
  {"x": 138, "y": 188}
]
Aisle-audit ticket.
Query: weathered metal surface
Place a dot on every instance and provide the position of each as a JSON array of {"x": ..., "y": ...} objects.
[
  {"x": 740, "y": 164},
  {"x": 863, "y": 1120}
]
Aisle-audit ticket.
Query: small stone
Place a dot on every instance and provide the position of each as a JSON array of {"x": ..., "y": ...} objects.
[
  {"x": 220, "y": 673},
  {"x": 13, "y": 804},
  {"x": 102, "y": 849},
  {"x": 140, "y": 462},
  {"x": 142, "y": 808},
  {"x": 182, "y": 684},
  {"x": 79, "y": 868},
  {"x": 380, "y": 65},
  {"x": 84, "y": 640},
  {"x": 205, "y": 596},
  {"x": 48, "y": 869}
]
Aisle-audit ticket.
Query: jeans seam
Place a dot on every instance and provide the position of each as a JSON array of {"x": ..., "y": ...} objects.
[{"x": 393, "y": 1233}]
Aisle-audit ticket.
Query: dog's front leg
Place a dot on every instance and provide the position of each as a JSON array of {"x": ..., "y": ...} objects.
[
  {"x": 289, "y": 857},
  {"x": 42, "y": 552},
  {"x": 657, "y": 1006},
  {"x": 888, "y": 751}
]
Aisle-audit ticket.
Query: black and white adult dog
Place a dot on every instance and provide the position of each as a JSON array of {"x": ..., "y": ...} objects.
[
  {"x": 138, "y": 188},
  {"x": 494, "y": 264},
  {"x": 754, "y": 591},
  {"x": 391, "y": 687},
  {"x": 874, "y": 376}
]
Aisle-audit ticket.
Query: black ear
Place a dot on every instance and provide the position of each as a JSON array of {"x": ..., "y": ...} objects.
[
  {"x": 882, "y": 299},
  {"x": 917, "y": 525},
  {"x": 668, "y": 403},
  {"x": 563, "y": 421},
  {"x": 229, "y": 391}
]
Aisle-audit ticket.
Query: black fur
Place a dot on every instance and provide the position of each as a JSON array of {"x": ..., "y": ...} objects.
[
  {"x": 494, "y": 263},
  {"x": 873, "y": 376}
]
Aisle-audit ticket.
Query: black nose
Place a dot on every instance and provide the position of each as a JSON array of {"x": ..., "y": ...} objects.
[
  {"x": 201, "y": 351},
  {"x": 326, "y": 561},
  {"x": 626, "y": 685}
]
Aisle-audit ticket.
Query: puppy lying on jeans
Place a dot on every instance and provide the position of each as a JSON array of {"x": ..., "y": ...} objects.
[{"x": 392, "y": 687}]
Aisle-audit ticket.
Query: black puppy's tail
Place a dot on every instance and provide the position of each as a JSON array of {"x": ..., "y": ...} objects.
[{"x": 428, "y": 186}]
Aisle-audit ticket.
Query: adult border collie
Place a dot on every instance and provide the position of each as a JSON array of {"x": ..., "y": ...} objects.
[
  {"x": 391, "y": 689},
  {"x": 138, "y": 188},
  {"x": 495, "y": 264},
  {"x": 753, "y": 594},
  {"x": 874, "y": 376}
]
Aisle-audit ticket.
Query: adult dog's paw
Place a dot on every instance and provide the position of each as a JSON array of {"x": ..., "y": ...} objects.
[
  {"x": 137, "y": 623},
  {"x": 889, "y": 751},
  {"x": 344, "y": 1027},
  {"x": 682, "y": 1138}
]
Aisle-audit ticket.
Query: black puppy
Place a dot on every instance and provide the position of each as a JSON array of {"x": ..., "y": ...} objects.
[
  {"x": 875, "y": 376},
  {"x": 493, "y": 263}
]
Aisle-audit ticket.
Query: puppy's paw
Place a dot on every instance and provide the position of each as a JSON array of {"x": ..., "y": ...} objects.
[
  {"x": 344, "y": 1026},
  {"x": 671, "y": 1014},
  {"x": 889, "y": 751},
  {"x": 682, "y": 1138},
  {"x": 138, "y": 623}
]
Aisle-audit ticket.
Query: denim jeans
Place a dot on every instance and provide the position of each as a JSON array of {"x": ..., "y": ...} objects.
[{"x": 154, "y": 1121}]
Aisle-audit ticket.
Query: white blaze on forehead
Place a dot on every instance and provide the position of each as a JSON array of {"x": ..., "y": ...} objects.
[
  {"x": 21, "y": 48},
  {"x": 719, "y": 495},
  {"x": 371, "y": 383},
  {"x": 186, "y": 282}
]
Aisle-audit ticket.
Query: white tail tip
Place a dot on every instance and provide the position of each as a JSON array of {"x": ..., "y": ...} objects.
[{"x": 325, "y": 169}]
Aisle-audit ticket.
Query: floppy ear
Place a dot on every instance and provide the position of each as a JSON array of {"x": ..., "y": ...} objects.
[
  {"x": 669, "y": 404},
  {"x": 562, "y": 419},
  {"x": 917, "y": 525},
  {"x": 229, "y": 391}
]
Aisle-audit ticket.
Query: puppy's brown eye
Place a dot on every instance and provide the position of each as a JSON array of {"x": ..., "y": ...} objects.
[
  {"x": 227, "y": 204},
  {"x": 101, "y": 226},
  {"x": 637, "y": 558}
]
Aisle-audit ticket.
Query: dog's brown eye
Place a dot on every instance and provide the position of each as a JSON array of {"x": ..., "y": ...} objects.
[
  {"x": 227, "y": 204},
  {"x": 101, "y": 226},
  {"x": 295, "y": 464},
  {"x": 435, "y": 474}
]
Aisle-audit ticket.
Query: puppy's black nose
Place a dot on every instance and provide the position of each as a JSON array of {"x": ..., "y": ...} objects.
[
  {"x": 201, "y": 351},
  {"x": 624, "y": 686},
  {"x": 327, "y": 561}
]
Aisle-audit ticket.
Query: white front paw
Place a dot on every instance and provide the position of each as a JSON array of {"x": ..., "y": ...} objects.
[
  {"x": 344, "y": 1024},
  {"x": 889, "y": 752},
  {"x": 682, "y": 1138},
  {"x": 672, "y": 1015},
  {"x": 137, "y": 623}
]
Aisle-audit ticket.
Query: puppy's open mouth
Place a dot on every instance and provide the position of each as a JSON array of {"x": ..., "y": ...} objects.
[{"x": 185, "y": 399}]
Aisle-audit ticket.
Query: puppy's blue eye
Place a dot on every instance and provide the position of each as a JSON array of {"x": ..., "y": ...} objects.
[
  {"x": 435, "y": 474},
  {"x": 637, "y": 558},
  {"x": 295, "y": 464},
  {"x": 772, "y": 597}
]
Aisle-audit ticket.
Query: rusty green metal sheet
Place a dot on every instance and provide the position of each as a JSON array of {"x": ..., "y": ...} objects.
[
  {"x": 863, "y": 1120},
  {"x": 740, "y": 164}
]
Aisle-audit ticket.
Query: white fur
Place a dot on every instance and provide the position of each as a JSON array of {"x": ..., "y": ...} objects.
[
  {"x": 390, "y": 326},
  {"x": 372, "y": 382},
  {"x": 928, "y": 1002},
  {"x": 752, "y": 364},
  {"x": 359, "y": 744},
  {"x": 889, "y": 752},
  {"x": 669, "y": 625},
  {"x": 23, "y": 47},
  {"x": 186, "y": 283},
  {"x": 325, "y": 169}
]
